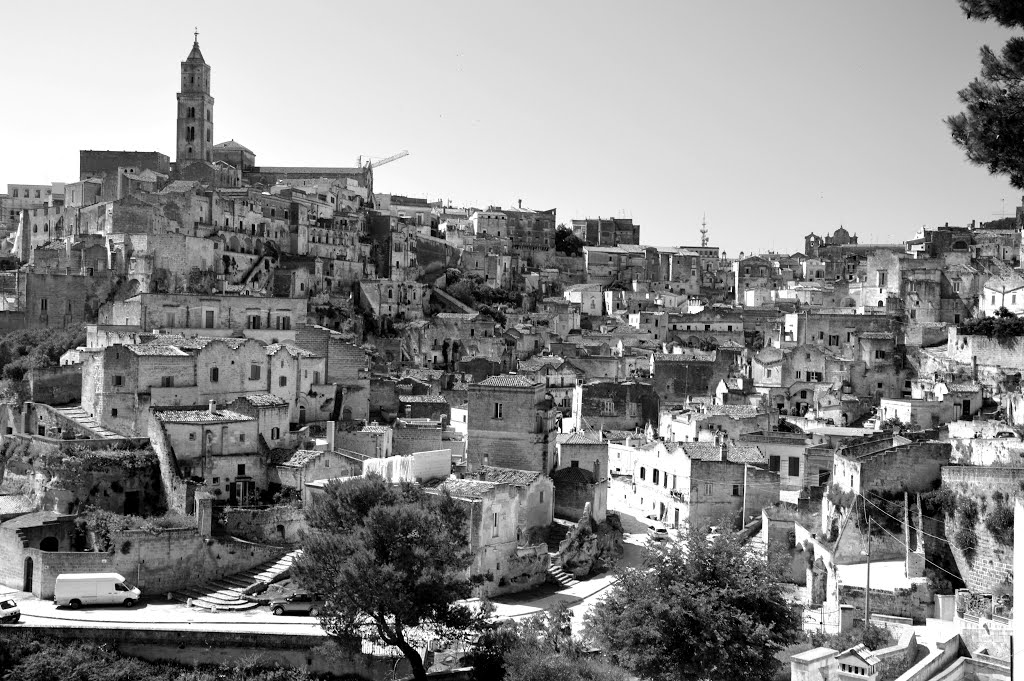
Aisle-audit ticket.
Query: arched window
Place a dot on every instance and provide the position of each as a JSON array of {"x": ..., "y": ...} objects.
[
  {"x": 275, "y": 433},
  {"x": 207, "y": 135}
]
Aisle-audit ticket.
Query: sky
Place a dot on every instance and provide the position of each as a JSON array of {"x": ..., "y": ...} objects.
[{"x": 773, "y": 119}]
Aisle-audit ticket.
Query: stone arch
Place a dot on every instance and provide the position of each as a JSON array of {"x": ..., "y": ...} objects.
[
  {"x": 848, "y": 302},
  {"x": 133, "y": 288},
  {"x": 233, "y": 244},
  {"x": 959, "y": 245},
  {"x": 50, "y": 544}
]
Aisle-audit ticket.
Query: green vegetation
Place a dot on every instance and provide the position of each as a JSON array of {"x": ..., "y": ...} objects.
[
  {"x": 470, "y": 289},
  {"x": 540, "y": 649},
  {"x": 30, "y": 657},
  {"x": 98, "y": 530},
  {"x": 391, "y": 562},
  {"x": 657, "y": 621},
  {"x": 999, "y": 522},
  {"x": 568, "y": 243},
  {"x": 36, "y": 349},
  {"x": 990, "y": 130},
  {"x": 1004, "y": 327}
]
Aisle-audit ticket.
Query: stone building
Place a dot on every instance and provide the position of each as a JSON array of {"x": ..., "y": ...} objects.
[{"x": 511, "y": 424}]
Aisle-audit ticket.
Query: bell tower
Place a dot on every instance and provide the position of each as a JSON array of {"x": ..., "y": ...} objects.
[{"x": 195, "y": 110}]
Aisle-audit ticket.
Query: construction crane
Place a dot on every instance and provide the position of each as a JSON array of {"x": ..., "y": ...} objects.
[{"x": 377, "y": 164}]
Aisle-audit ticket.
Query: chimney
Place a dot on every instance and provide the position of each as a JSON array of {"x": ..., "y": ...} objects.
[
  {"x": 721, "y": 450},
  {"x": 213, "y": 407},
  {"x": 520, "y": 204}
]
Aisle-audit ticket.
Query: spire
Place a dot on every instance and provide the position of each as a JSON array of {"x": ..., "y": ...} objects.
[{"x": 195, "y": 54}]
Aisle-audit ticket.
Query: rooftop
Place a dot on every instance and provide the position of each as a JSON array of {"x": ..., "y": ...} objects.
[
  {"x": 581, "y": 439},
  {"x": 293, "y": 350},
  {"x": 422, "y": 399},
  {"x": 264, "y": 400},
  {"x": 467, "y": 489},
  {"x": 508, "y": 381},
  {"x": 301, "y": 457},
  {"x": 511, "y": 476},
  {"x": 201, "y": 416},
  {"x": 734, "y": 453}
]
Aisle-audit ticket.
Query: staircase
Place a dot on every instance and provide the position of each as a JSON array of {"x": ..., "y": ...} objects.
[
  {"x": 228, "y": 593},
  {"x": 83, "y": 419},
  {"x": 561, "y": 577},
  {"x": 557, "y": 532}
]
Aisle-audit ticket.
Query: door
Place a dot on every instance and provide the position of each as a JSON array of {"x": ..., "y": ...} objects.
[
  {"x": 28, "y": 576},
  {"x": 131, "y": 503},
  {"x": 209, "y": 319},
  {"x": 965, "y": 410},
  {"x": 676, "y": 524}
]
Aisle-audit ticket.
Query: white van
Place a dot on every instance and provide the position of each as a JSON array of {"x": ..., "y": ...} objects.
[{"x": 94, "y": 588}]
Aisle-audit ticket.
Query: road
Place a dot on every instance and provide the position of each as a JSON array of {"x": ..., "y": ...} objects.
[{"x": 154, "y": 614}]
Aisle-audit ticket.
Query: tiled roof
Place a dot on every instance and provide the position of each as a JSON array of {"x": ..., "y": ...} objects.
[
  {"x": 292, "y": 350},
  {"x": 735, "y": 453},
  {"x": 877, "y": 335},
  {"x": 201, "y": 416},
  {"x": 687, "y": 355},
  {"x": 736, "y": 411},
  {"x": 581, "y": 439},
  {"x": 422, "y": 399},
  {"x": 195, "y": 343},
  {"x": 374, "y": 428},
  {"x": 301, "y": 457},
  {"x": 151, "y": 350},
  {"x": 966, "y": 387},
  {"x": 572, "y": 475},
  {"x": 511, "y": 476},
  {"x": 426, "y": 375},
  {"x": 467, "y": 489},
  {"x": 231, "y": 145},
  {"x": 264, "y": 400},
  {"x": 769, "y": 356},
  {"x": 1006, "y": 282},
  {"x": 458, "y": 316},
  {"x": 11, "y": 504},
  {"x": 508, "y": 381},
  {"x": 540, "y": 362}
]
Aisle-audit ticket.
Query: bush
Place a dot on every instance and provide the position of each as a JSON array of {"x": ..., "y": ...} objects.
[
  {"x": 968, "y": 509},
  {"x": 999, "y": 523},
  {"x": 874, "y": 637},
  {"x": 966, "y": 539}
]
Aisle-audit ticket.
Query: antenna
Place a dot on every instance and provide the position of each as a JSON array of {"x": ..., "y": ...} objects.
[{"x": 704, "y": 230}]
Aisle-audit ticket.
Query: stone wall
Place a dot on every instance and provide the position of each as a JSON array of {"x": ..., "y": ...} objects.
[
  {"x": 274, "y": 525},
  {"x": 991, "y": 566},
  {"x": 917, "y": 602},
  {"x": 156, "y": 563},
  {"x": 55, "y": 385}
]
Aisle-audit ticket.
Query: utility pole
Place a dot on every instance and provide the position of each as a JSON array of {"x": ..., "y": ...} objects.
[{"x": 867, "y": 586}]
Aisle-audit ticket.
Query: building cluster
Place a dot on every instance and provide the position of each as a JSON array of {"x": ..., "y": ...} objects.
[{"x": 264, "y": 329}]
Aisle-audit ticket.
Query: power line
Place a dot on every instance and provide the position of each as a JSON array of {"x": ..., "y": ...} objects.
[
  {"x": 929, "y": 517},
  {"x": 900, "y": 521},
  {"x": 904, "y": 545}
]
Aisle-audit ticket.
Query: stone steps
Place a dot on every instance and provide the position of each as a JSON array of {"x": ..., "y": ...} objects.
[
  {"x": 82, "y": 418},
  {"x": 557, "y": 532},
  {"x": 228, "y": 593},
  {"x": 559, "y": 576}
]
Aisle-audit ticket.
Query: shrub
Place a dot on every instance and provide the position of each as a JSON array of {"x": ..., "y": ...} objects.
[
  {"x": 942, "y": 500},
  {"x": 966, "y": 539},
  {"x": 999, "y": 523},
  {"x": 968, "y": 509}
]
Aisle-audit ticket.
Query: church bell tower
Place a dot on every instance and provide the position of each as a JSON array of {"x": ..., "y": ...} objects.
[{"x": 195, "y": 110}]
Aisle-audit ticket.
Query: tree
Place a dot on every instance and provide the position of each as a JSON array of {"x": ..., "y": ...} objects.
[
  {"x": 702, "y": 607},
  {"x": 991, "y": 128},
  {"x": 567, "y": 242},
  {"x": 540, "y": 649},
  {"x": 390, "y": 562}
]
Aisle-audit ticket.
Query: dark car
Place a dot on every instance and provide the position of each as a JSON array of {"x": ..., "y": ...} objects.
[
  {"x": 9, "y": 612},
  {"x": 299, "y": 603}
]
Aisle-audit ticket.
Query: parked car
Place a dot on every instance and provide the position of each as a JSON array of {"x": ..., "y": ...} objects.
[
  {"x": 299, "y": 603},
  {"x": 657, "y": 531},
  {"x": 9, "y": 612}
]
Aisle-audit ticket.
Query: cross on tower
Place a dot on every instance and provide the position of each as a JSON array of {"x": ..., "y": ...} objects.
[{"x": 196, "y": 34}]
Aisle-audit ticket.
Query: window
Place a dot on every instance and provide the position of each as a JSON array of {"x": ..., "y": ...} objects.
[
  {"x": 255, "y": 371},
  {"x": 214, "y": 374},
  {"x": 735, "y": 490},
  {"x": 192, "y": 437},
  {"x": 767, "y": 373},
  {"x": 241, "y": 469},
  {"x": 113, "y": 412},
  {"x": 794, "y": 467},
  {"x": 774, "y": 463},
  {"x": 708, "y": 489},
  {"x": 833, "y": 340},
  {"x": 798, "y": 373},
  {"x": 882, "y": 277},
  {"x": 542, "y": 496},
  {"x": 956, "y": 287},
  {"x": 118, "y": 381},
  {"x": 880, "y": 354},
  {"x": 209, "y": 319},
  {"x": 275, "y": 433},
  {"x": 255, "y": 321},
  {"x": 498, "y": 407},
  {"x": 167, "y": 381},
  {"x": 494, "y": 524},
  {"x": 284, "y": 323},
  {"x": 643, "y": 472},
  {"x": 43, "y": 304},
  {"x": 654, "y": 476}
]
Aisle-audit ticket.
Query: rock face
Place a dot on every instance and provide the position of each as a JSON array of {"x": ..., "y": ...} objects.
[{"x": 591, "y": 546}]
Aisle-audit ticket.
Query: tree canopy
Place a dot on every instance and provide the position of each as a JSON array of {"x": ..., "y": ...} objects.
[
  {"x": 702, "y": 607},
  {"x": 567, "y": 242},
  {"x": 990, "y": 130},
  {"x": 390, "y": 562}
]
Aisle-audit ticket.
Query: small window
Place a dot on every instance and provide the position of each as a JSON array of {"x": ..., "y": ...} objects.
[
  {"x": 774, "y": 463},
  {"x": 794, "y": 467},
  {"x": 643, "y": 472},
  {"x": 167, "y": 381},
  {"x": 498, "y": 409},
  {"x": 241, "y": 469},
  {"x": 118, "y": 381},
  {"x": 275, "y": 433},
  {"x": 735, "y": 490},
  {"x": 241, "y": 437},
  {"x": 214, "y": 374},
  {"x": 654, "y": 476},
  {"x": 192, "y": 437},
  {"x": 113, "y": 412},
  {"x": 708, "y": 489},
  {"x": 255, "y": 372},
  {"x": 283, "y": 381}
]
